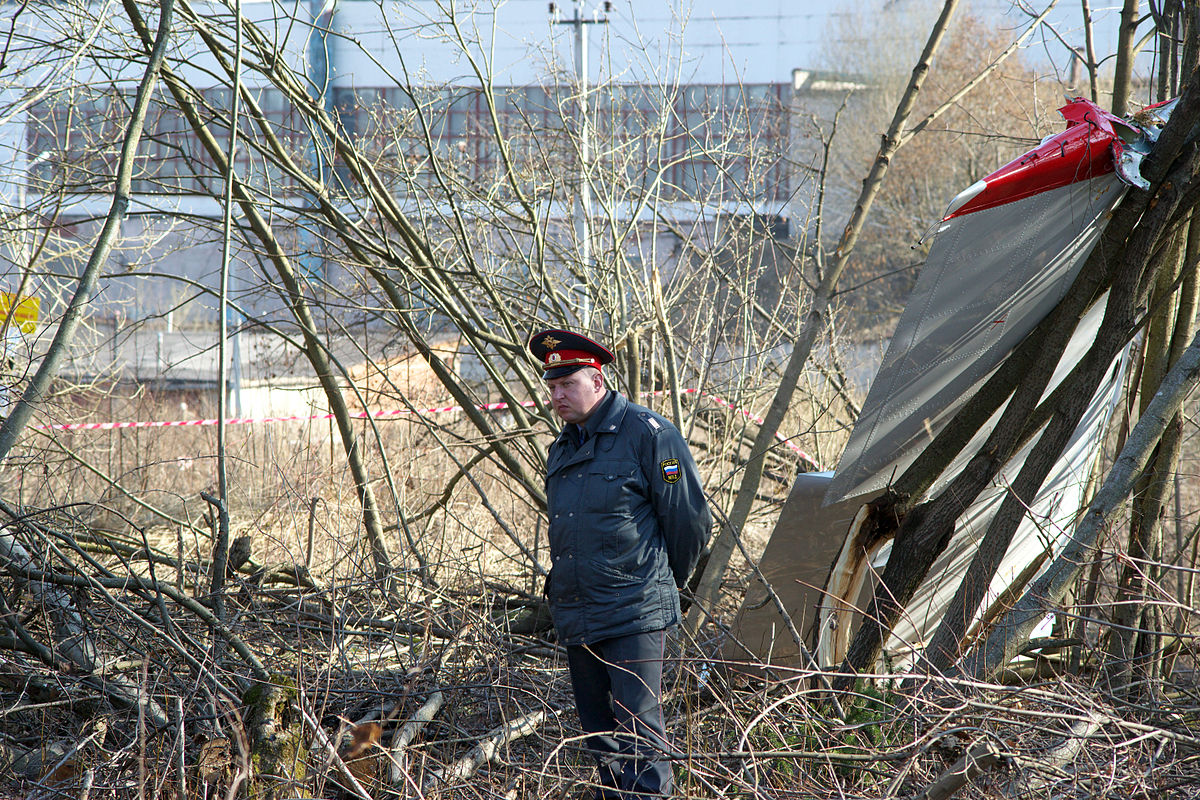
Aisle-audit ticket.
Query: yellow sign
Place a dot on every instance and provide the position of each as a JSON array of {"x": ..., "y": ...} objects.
[{"x": 24, "y": 314}]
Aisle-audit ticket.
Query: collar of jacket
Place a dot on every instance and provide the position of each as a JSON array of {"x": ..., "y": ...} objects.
[{"x": 606, "y": 420}]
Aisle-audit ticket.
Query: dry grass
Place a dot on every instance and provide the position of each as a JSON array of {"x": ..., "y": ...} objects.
[
  {"x": 359, "y": 658},
  {"x": 360, "y": 652}
]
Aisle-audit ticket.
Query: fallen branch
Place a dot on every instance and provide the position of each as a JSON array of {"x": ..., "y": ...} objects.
[
  {"x": 146, "y": 588},
  {"x": 405, "y": 736},
  {"x": 74, "y": 643},
  {"x": 1036, "y": 771},
  {"x": 486, "y": 749},
  {"x": 981, "y": 757},
  {"x": 419, "y": 720},
  {"x": 387, "y": 624},
  {"x": 52, "y": 762}
]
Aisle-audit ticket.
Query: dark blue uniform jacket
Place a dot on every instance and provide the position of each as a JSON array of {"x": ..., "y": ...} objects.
[{"x": 628, "y": 520}]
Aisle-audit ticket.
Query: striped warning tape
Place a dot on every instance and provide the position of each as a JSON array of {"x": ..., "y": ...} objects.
[
  {"x": 396, "y": 412},
  {"x": 182, "y": 423}
]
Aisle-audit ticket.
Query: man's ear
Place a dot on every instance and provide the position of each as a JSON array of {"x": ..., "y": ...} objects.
[{"x": 598, "y": 380}]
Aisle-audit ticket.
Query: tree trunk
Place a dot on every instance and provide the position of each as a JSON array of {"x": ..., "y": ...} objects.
[
  {"x": 39, "y": 385},
  {"x": 708, "y": 588},
  {"x": 1013, "y": 629},
  {"x": 1131, "y": 648},
  {"x": 73, "y": 639},
  {"x": 1123, "y": 71},
  {"x": 312, "y": 348}
]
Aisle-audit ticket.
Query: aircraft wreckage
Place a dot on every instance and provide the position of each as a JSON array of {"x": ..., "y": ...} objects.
[{"x": 1004, "y": 254}]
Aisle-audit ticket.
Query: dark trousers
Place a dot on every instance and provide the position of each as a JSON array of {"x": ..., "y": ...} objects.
[{"x": 618, "y": 693}]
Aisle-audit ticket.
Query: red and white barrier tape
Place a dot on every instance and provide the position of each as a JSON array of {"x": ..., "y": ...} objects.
[
  {"x": 187, "y": 423},
  {"x": 181, "y": 423}
]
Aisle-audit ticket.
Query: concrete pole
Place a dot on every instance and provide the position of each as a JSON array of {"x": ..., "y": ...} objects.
[
  {"x": 583, "y": 198},
  {"x": 583, "y": 215}
]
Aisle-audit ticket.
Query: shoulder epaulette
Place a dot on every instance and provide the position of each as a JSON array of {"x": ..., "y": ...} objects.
[{"x": 650, "y": 421}]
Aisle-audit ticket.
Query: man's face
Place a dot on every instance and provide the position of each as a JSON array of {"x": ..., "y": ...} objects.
[{"x": 576, "y": 396}]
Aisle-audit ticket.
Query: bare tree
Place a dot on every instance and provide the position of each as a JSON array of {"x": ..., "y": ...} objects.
[{"x": 450, "y": 254}]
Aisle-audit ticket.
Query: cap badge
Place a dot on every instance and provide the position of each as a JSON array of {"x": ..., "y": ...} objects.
[
  {"x": 553, "y": 358},
  {"x": 550, "y": 342}
]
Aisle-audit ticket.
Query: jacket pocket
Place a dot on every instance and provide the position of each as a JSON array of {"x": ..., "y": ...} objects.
[
  {"x": 615, "y": 577},
  {"x": 608, "y": 486},
  {"x": 615, "y": 594}
]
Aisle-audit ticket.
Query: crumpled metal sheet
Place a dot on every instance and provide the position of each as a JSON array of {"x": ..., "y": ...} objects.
[
  {"x": 990, "y": 278},
  {"x": 1006, "y": 252}
]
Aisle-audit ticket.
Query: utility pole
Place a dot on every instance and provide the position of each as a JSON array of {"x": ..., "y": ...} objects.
[
  {"x": 320, "y": 89},
  {"x": 583, "y": 198}
]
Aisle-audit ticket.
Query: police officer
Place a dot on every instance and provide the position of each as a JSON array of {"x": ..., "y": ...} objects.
[{"x": 628, "y": 520}]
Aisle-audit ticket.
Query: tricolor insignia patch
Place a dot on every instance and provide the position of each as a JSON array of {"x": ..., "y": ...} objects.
[{"x": 670, "y": 470}]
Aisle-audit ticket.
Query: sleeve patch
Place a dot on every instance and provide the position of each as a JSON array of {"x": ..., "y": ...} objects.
[{"x": 670, "y": 470}]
